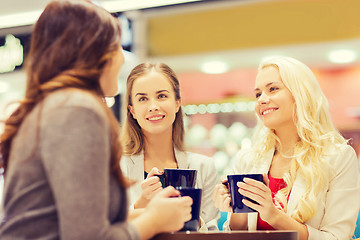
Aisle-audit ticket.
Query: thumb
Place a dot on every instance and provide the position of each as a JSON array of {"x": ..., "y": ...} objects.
[
  {"x": 154, "y": 171},
  {"x": 169, "y": 191}
]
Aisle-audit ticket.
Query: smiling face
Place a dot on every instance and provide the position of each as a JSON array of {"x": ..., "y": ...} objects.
[
  {"x": 275, "y": 103},
  {"x": 154, "y": 105}
]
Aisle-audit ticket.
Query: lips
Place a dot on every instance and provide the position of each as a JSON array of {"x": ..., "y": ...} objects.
[
  {"x": 268, "y": 110},
  {"x": 155, "y": 117}
]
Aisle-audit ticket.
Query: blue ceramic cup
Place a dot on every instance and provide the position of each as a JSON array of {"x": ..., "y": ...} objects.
[
  {"x": 195, "y": 194},
  {"x": 236, "y": 198},
  {"x": 180, "y": 177}
]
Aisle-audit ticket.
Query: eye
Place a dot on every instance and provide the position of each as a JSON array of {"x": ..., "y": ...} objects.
[
  {"x": 257, "y": 95},
  {"x": 142, "y": 99},
  {"x": 273, "y": 89},
  {"x": 162, "y": 96}
]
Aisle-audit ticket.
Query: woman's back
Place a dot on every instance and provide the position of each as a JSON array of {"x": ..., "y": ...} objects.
[{"x": 50, "y": 166}]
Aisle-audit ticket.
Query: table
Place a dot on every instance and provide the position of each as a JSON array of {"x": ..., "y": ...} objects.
[{"x": 233, "y": 235}]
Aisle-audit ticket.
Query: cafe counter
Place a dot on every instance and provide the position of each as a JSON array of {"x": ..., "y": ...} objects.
[{"x": 231, "y": 235}]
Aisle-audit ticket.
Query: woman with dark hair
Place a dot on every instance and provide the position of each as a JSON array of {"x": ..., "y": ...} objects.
[
  {"x": 60, "y": 148},
  {"x": 153, "y": 139}
]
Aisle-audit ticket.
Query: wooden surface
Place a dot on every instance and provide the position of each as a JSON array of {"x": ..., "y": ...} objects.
[{"x": 233, "y": 235}]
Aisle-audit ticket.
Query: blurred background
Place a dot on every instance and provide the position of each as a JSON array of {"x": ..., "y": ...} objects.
[{"x": 215, "y": 48}]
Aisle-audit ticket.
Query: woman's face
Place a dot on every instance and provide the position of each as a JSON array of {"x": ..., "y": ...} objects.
[
  {"x": 109, "y": 78},
  {"x": 275, "y": 103},
  {"x": 153, "y": 103}
]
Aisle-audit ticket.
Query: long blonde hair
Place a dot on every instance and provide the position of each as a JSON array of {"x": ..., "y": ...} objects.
[
  {"x": 316, "y": 132},
  {"x": 132, "y": 137}
]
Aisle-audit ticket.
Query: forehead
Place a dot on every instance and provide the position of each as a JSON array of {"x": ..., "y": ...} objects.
[
  {"x": 151, "y": 82},
  {"x": 267, "y": 75}
]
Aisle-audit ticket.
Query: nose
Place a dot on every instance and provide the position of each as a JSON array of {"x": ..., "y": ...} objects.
[
  {"x": 153, "y": 106},
  {"x": 263, "y": 98}
]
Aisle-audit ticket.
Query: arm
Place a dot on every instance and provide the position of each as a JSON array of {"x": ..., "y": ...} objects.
[
  {"x": 209, "y": 213},
  {"x": 342, "y": 199},
  {"x": 75, "y": 143}
]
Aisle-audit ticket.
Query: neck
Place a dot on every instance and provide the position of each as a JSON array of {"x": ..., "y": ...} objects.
[
  {"x": 159, "y": 147},
  {"x": 288, "y": 138}
]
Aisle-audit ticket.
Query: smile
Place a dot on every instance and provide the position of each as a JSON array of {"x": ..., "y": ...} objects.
[
  {"x": 155, "y": 118},
  {"x": 268, "y": 111}
]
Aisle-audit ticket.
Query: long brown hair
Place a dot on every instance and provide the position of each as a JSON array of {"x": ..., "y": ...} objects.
[
  {"x": 132, "y": 137},
  {"x": 71, "y": 43}
]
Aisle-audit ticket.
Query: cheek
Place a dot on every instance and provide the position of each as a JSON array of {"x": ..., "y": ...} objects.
[{"x": 257, "y": 110}]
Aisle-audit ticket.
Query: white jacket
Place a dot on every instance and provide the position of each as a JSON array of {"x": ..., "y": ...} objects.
[
  {"x": 338, "y": 206},
  {"x": 133, "y": 168}
]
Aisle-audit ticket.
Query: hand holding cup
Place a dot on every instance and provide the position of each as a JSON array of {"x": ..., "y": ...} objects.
[
  {"x": 171, "y": 211},
  {"x": 221, "y": 196},
  {"x": 150, "y": 186}
]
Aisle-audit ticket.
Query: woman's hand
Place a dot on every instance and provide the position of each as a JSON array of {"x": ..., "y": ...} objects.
[
  {"x": 261, "y": 193},
  {"x": 169, "y": 211},
  {"x": 150, "y": 186},
  {"x": 221, "y": 197}
]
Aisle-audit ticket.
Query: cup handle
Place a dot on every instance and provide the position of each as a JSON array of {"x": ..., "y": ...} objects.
[{"x": 226, "y": 184}]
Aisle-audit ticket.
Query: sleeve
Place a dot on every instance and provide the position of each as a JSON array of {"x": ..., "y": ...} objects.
[
  {"x": 342, "y": 200},
  {"x": 125, "y": 170},
  {"x": 210, "y": 215},
  {"x": 75, "y": 148}
]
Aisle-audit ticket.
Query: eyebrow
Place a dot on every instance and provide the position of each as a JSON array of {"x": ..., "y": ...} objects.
[
  {"x": 157, "y": 92},
  {"x": 267, "y": 85}
]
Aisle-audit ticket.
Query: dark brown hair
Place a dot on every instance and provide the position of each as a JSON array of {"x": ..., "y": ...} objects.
[
  {"x": 132, "y": 138},
  {"x": 71, "y": 43}
]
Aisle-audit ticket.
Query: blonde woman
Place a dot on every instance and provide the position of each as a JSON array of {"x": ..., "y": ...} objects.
[
  {"x": 153, "y": 138},
  {"x": 312, "y": 182}
]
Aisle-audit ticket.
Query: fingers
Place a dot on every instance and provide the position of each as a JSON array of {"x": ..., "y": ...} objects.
[
  {"x": 224, "y": 180},
  {"x": 256, "y": 191},
  {"x": 154, "y": 171},
  {"x": 150, "y": 187},
  {"x": 252, "y": 185},
  {"x": 221, "y": 198},
  {"x": 150, "y": 181},
  {"x": 169, "y": 191},
  {"x": 252, "y": 205}
]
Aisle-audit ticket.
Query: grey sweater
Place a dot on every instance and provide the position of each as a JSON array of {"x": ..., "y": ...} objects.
[{"x": 58, "y": 184}]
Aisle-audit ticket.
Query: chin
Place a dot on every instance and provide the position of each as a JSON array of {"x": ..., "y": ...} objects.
[{"x": 111, "y": 93}]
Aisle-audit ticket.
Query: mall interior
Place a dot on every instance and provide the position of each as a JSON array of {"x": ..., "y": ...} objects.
[{"x": 215, "y": 46}]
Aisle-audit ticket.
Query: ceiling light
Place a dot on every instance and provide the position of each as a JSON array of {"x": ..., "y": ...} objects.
[
  {"x": 214, "y": 67},
  {"x": 342, "y": 56},
  {"x": 126, "y": 5}
]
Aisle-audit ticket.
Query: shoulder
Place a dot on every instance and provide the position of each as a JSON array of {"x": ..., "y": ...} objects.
[
  {"x": 74, "y": 98},
  {"x": 198, "y": 157},
  {"x": 73, "y": 108},
  {"x": 198, "y": 161},
  {"x": 340, "y": 154},
  {"x": 130, "y": 160}
]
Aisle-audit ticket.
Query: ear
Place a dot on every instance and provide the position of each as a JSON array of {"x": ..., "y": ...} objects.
[
  {"x": 131, "y": 109},
  {"x": 178, "y": 104}
]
